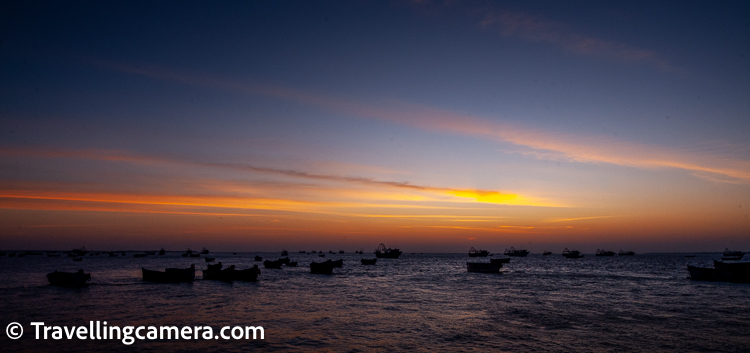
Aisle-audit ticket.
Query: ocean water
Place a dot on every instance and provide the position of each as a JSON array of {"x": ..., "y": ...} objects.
[{"x": 418, "y": 303}]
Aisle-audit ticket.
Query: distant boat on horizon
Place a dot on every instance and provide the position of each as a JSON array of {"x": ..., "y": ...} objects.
[
  {"x": 387, "y": 253},
  {"x": 516, "y": 252},
  {"x": 478, "y": 253},
  {"x": 572, "y": 254},
  {"x": 626, "y": 253},
  {"x": 602, "y": 252},
  {"x": 732, "y": 255}
]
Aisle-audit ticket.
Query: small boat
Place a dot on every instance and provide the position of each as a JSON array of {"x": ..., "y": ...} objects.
[
  {"x": 572, "y": 254},
  {"x": 78, "y": 258},
  {"x": 338, "y": 263},
  {"x": 321, "y": 268},
  {"x": 210, "y": 259},
  {"x": 737, "y": 272},
  {"x": 292, "y": 263},
  {"x": 284, "y": 253},
  {"x": 500, "y": 260},
  {"x": 259, "y": 258},
  {"x": 204, "y": 251},
  {"x": 369, "y": 261},
  {"x": 545, "y": 253},
  {"x": 187, "y": 253},
  {"x": 68, "y": 279},
  {"x": 214, "y": 272},
  {"x": 341, "y": 251},
  {"x": 162, "y": 251},
  {"x": 730, "y": 255},
  {"x": 79, "y": 252},
  {"x": 387, "y": 253},
  {"x": 483, "y": 267},
  {"x": 516, "y": 252},
  {"x": 625, "y": 253},
  {"x": 478, "y": 253},
  {"x": 602, "y": 252},
  {"x": 273, "y": 264},
  {"x": 170, "y": 275},
  {"x": 249, "y": 275},
  {"x": 149, "y": 253}
]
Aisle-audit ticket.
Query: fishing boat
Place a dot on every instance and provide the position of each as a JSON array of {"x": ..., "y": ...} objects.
[
  {"x": 387, "y": 253},
  {"x": 148, "y": 253},
  {"x": 500, "y": 260},
  {"x": 625, "y": 253},
  {"x": 602, "y": 252},
  {"x": 572, "y": 254},
  {"x": 259, "y": 258},
  {"x": 483, "y": 267},
  {"x": 338, "y": 263},
  {"x": 516, "y": 252},
  {"x": 369, "y": 261},
  {"x": 276, "y": 265},
  {"x": 69, "y": 279},
  {"x": 216, "y": 273},
  {"x": 341, "y": 251},
  {"x": 730, "y": 255},
  {"x": 478, "y": 253},
  {"x": 737, "y": 272},
  {"x": 187, "y": 253},
  {"x": 204, "y": 251},
  {"x": 322, "y": 268},
  {"x": 249, "y": 275},
  {"x": 162, "y": 251},
  {"x": 284, "y": 253},
  {"x": 170, "y": 275}
]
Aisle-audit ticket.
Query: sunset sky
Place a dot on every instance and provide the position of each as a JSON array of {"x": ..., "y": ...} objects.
[{"x": 433, "y": 126}]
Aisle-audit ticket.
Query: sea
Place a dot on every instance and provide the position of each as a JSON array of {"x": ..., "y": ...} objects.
[{"x": 417, "y": 303}]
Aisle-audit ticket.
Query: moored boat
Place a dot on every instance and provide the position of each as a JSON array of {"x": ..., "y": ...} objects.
[
  {"x": 284, "y": 253},
  {"x": 68, "y": 279},
  {"x": 387, "y": 253},
  {"x": 602, "y": 252},
  {"x": 162, "y": 251},
  {"x": 730, "y": 255},
  {"x": 737, "y": 272},
  {"x": 204, "y": 251},
  {"x": 216, "y": 273},
  {"x": 322, "y": 268},
  {"x": 516, "y": 252},
  {"x": 478, "y": 253},
  {"x": 545, "y": 253},
  {"x": 572, "y": 254},
  {"x": 292, "y": 263},
  {"x": 170, "y": 275},
  {"x": 483, "y": 267},
  {"x": 625, "y": 253},
  {"x": 276, "y": 265}
]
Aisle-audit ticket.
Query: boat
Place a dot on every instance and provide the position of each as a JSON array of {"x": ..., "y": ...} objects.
[
  {"x": 284, "y": 260},
  {"x": 545, "y": 253},
  {"x": 301, "y": 252},
  {"x": 187, "y": 253},
  {"x": 322, "y": 268},
  {"x": 69, "y": 279},
  {"x": 369, "y": 261},
  {"x": 571, "y": 254},
  {"x": 338, "y": 263},
  {"x": 79, "y": 252},
  {"x": 148, "y": 253},
  {"x": 341, "y": 251},
  {"x": 276, "y": 265},
  {"x": 500, "y": 260},
  {"x": 602, "y": 252},
  {"x": 478, "y": 253},
  {"x": 250, "y": 274},
  {"x": 736, "y": 272},
  {"x": 214, "y": 272},
  {"x": 484, "y": 267},
  {"x": 210, "y": 259},
  {"x": 258, "y": 258},
  {"x": 322, "y": 255},
  {"x": 387, "y": 253},
  {"x": 730, "y": 255},
  {"x": 625, "y": 253},
  {"x": 516, "y": 252},
  {"x": 204, "y": 251},
  {"x": 170, "y": 275},
  {"x": 284, "y": 253},
  {"x": 162, "y": 251}
]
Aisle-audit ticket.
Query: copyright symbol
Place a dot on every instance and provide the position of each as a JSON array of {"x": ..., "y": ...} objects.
[{"x": 14, "y": 330}]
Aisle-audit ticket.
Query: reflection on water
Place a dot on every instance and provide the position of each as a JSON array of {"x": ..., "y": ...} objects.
[{"x": 416, "y": 303}]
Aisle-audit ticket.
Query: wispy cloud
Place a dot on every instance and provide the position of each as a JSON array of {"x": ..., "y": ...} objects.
[{"x": 573, "y": 147}]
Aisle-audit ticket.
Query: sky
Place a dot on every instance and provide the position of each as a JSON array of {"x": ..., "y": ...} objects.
[{"x": 432, "y": 126}]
